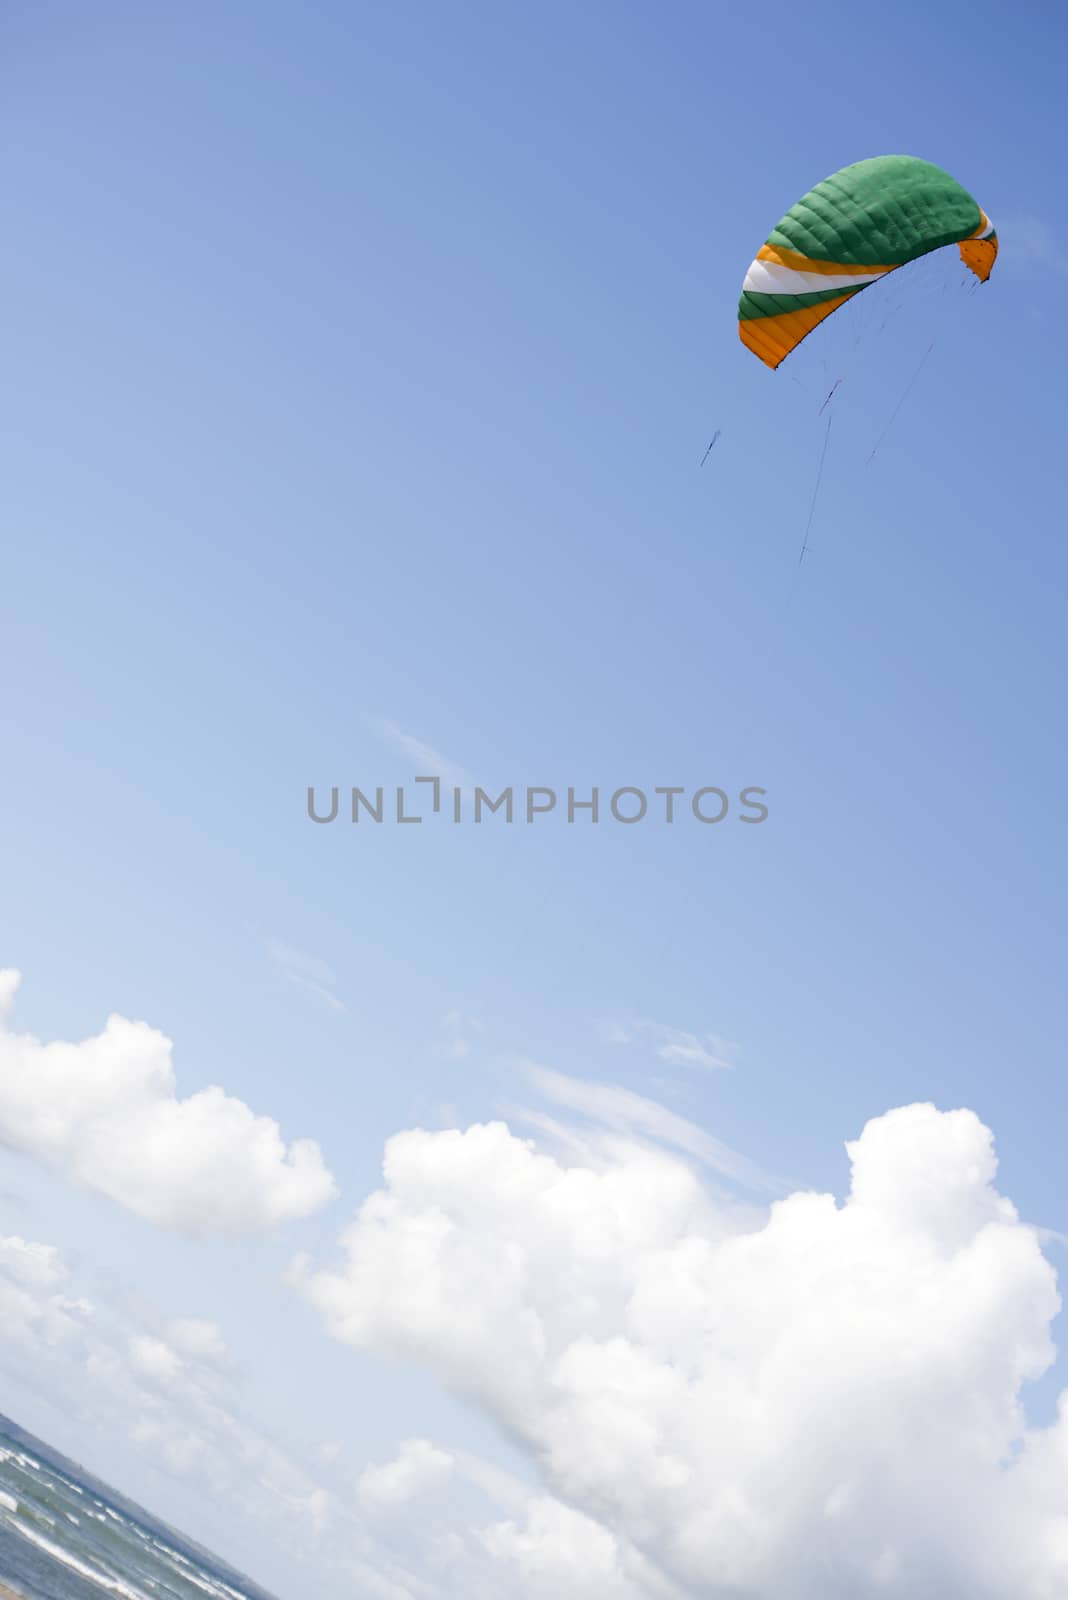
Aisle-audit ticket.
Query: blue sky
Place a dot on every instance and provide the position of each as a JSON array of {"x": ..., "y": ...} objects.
[{"x": 359, "y": 364}]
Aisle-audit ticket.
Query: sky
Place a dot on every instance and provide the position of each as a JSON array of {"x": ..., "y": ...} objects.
[{"x": 359, "y": 365}]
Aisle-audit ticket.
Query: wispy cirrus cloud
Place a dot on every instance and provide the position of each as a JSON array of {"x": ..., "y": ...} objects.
[
  {"x": 675, "y": 1046},
  {"x": 424, "y": 759},
  {"x": 635, "y": 1116},
  {"x": 307, "y": 971}
]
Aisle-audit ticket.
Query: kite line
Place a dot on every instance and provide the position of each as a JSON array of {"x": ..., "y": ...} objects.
[
  {"x": 905, "y": 394},
  {"x": 816, "y": 490}
]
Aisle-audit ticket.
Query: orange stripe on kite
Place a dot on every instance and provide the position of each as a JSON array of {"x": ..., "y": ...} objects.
[
  {"x": 772, "y": 338},
  {"x": 798, "y": 263}
]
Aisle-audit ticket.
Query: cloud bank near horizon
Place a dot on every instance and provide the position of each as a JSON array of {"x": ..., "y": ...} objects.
[
  {"x": 826, "y": 1404},
  {"x": 798, "y": 1399}
]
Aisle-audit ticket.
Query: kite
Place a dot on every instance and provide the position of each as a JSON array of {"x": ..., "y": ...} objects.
[{"x": 850, "y": 231}]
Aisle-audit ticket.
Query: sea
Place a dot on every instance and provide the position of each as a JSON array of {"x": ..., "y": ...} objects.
[{"x": 66, "y": 1536}]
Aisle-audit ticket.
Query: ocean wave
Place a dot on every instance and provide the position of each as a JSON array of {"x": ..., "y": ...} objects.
[{"x": 101, "y": 1580}]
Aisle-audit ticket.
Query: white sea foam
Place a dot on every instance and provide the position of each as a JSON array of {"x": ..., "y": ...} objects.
[
  {"x": 102, "y": 1580},
  {"x": 173, "y": 1565},
  {"x": 201, "y": 1580}
]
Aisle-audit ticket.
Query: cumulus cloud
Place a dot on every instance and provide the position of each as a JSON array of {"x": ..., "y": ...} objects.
[
  {"x": 418, "y": 1464},
  {"x": 10, "y": 979},
  {"x": 828, "y": 1403},
  {"x": 154, "y": 1358},
  {"x": 452, "y": 1523},
  {"x": 106, "y": 1111},
  {"x": 27, "y": 1262},
  {"x": 554, "y": 1552},
  {"x": 37, "y": 1316},
  {"x": 198, "y": 1337}
]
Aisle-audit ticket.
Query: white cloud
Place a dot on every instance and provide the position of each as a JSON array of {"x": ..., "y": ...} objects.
[
  {"x": 824, "y": 1405},
  {"x": 107, "y": 1113},
  {"x": 451, "y": 1523},
  {"x": 26, "y": 1262},
  {"x": 153, "y": 1358},
  {"x": 36, "y": 1318},
  {"x": 197, "y": 1337},
  {"x": 556, "y": 1552},
  {"x": 418, "y": 1465},
  {"x": 10, "y": 979},
  {"x": 307, "y": 971}
]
